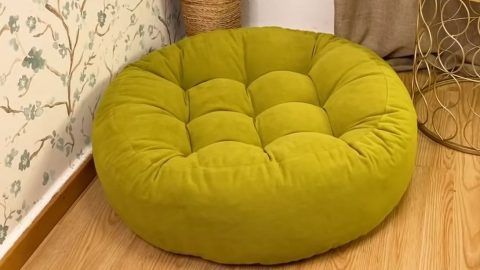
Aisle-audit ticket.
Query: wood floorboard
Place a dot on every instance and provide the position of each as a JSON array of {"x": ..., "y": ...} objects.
[{"x": 436, "y": 226}]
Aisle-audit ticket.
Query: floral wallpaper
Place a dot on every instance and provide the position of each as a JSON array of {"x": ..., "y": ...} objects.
[{"x": 56, "y": 58}]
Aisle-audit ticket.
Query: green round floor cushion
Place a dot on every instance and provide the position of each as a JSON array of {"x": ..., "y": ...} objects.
[{"x": 258, "y": 145}]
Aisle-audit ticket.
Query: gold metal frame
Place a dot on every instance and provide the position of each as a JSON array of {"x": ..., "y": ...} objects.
[{"x": 446, "y": 50}]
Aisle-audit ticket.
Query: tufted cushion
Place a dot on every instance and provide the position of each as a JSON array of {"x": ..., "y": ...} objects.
[{"x": 260, "y": 145}]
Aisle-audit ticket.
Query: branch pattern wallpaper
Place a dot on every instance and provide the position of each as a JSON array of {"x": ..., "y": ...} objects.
[{"x": 57, "y": 58}]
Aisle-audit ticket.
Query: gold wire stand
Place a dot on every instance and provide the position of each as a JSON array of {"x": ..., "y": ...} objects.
[{"x": 446, "y": 78}]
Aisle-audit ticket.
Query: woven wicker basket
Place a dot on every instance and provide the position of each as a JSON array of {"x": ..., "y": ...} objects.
[{"x": 207, "y": 15}]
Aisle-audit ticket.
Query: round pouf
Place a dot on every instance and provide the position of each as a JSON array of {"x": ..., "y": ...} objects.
[{"x": 259, "y": 145}]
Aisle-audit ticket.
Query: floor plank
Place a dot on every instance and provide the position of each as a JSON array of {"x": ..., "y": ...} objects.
[{"x": 436, "y": 226}]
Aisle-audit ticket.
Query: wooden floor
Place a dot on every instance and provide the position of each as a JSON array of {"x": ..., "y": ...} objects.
[{"x": 436, "y": 226}]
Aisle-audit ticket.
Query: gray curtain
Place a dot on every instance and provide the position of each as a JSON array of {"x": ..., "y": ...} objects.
[{"x": 385, "y": 26}]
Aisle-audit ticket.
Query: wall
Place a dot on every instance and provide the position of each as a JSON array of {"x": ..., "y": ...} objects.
[
  {"x": 57, "y": 57},
  {"x": 313, "y": 15}
]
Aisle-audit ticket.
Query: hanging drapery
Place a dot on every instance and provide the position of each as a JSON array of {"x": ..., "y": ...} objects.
[{"x": 387, "y": 27}]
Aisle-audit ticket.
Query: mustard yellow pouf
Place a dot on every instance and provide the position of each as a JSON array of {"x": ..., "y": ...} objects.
[{"x": 259, "y": 145}]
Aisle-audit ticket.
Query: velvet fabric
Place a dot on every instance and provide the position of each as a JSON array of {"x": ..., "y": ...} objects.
[{"x": 257, "y": 145}]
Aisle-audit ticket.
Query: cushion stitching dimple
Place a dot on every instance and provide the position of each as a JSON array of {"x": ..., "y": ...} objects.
[
  {"x": 334, "y": 89},
  {"x": 178, "y": 78},
  {"x": 269, "y": 162},
  {"x": 128, "y": 139},
  {"x": 252, "y": 103},
  {"x": 329, "y": 39},
  {"x": 245, "y": 60},
  {"x": 209, "y": 80},
  {"x": 254, "y": 118},
  {"x": 272, "y": 71},
  {"x": 298, "y": 132},
  {"x": 288, "y": 102},
  {"x": 220, "y": 111},
  {"x": 273, "y": 160},
  {"x": 304, "y": 76},
  {"x": 318, "y": 98},
  {"x": 340, "y": 87},
  {"x": 167, "y": 113},
  {"x": 189, "y": 110},
  {"x": 369, "y": 59},
  {"x": 208, "y": 86},
  {"x": 256, "y": 142},
  {"x": 316, "y": 113},
  {"x": 137, "y": 68},
  {"x": 329, "y": 122},
  {"x": 316, "y": 90},
  {"x": 257, "y": 131},
  {"x": 387, "y": 89},
  {"x": 222, "y": 141},
  {"x": 189, "y": 138},
  {"x": 337, "y": 86},
  {"x": 182, "y": 72},
  {"x": 313, "y": 53},
  {"x": 379, "y": 122},
  {"x": 244, "y": 53},
  {"x": 156, "y": 76},
  {"x": 186, "y": 100}
]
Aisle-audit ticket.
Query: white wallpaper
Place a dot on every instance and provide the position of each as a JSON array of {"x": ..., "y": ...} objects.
[
  {"x": 310, "y": 15},
  {"x": 56, "y": 58}
]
